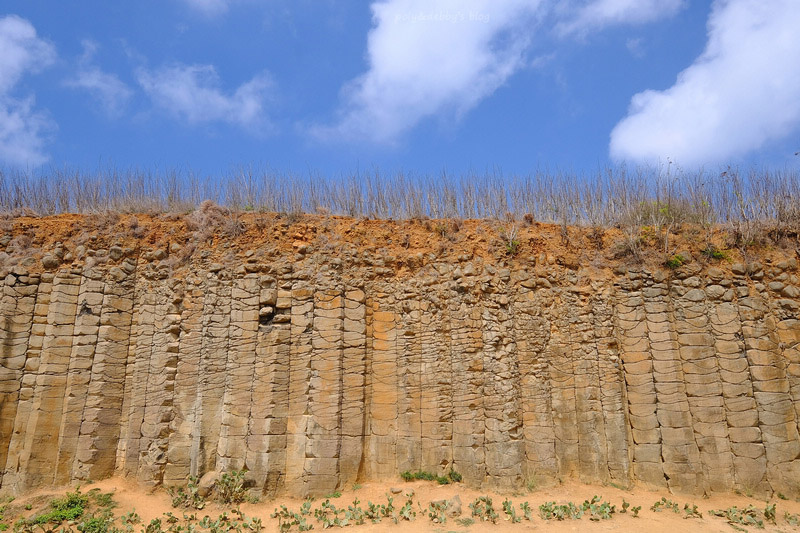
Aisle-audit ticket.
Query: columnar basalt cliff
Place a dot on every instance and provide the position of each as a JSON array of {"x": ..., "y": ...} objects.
[{"x": 316, "y": 362}]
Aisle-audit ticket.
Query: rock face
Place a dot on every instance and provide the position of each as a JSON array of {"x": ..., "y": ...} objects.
[{"x": 314, "y": 374}]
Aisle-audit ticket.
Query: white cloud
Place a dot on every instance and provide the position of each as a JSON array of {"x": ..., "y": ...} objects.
[
  {"x": 442, "y": 57},
  {"x": 192, "y": 93},
  {"x": 743, "y": 91},
  {"x": 23, "y": 132},
  {"x": 208, "y": 7},
  {"x": 22, "y": 129},
  {"x": 107, "y": 88},
  {"x": 598, "y": 14},
  {"x": 432, "y": 56}
]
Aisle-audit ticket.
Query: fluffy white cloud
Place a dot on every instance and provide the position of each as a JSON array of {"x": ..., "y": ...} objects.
[
  {"x": 193, "y": 93},
  {"x": 208, "y": 7},
  {"x": 442, "y": 57},
  {"x": 22, "y": 128},
  {"x": 107, "y": 88},
  {"x": 23, "y": 132},
  {"x": 596, "y": 14},
  {"x": 430, "y": 56},
  {"x": 743, "y": 91}
]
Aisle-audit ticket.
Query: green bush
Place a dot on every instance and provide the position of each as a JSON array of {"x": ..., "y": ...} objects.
[
  {"x": 230, "y": 487},
  {"x": 188, "y": 497},
  {"x": 70, "y": 507},
  {"x": 451, "y": 476}
]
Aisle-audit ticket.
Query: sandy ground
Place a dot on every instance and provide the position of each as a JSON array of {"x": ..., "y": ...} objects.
[{"x": 150, "y": 504}]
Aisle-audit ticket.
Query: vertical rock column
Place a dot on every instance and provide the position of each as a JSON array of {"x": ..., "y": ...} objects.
[
  {"x": 87, "y": 328},
  {"x": 380, "y": 441},
  {"x": 703, "y": 384},
  {"x": 181, "y": 458},
  {"x": 17, "y": 304},
  {"x": 637, "y": 360},
  {"x": 776, "y": 413},
  {"x": 302, "y": 309},
  {"x": 213, "y": 358},
  {"x": 437, "y": 394},
  {"x": 741, "y": 414},
  {"x": 136, "y": 375},
  {"x": 609, "y": 368},
  {"x": 561, "y": 361},
  {"x": 28, "y": 383},
  {"x": 502, "y": 406},
  {"x": 409, "y": 401},
  {"x": 269, "y": 401},
  {"x": 592, "y": 448},
  {"x": 40, "y": 451},
  {"x": 325, "y": 393},
  {"x": 533, "y": 336},
  {"x": 237, "y": 399},
  {"x": 160, "y": 384},
  {"x": 468, "y": 426},
  {"x": 100, "y": 430},
  {"x": 353, "y": 369},
  {"x": 681, "y": 458}
]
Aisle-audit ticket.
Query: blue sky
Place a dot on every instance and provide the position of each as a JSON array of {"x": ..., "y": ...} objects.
[{"x": 338, "y": 86}]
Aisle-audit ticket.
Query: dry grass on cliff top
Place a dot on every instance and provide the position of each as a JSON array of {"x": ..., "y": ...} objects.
[{"x": 155, "y": 503}]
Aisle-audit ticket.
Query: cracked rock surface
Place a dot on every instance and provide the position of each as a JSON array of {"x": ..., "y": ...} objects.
[{"x": 315, "y": 372}]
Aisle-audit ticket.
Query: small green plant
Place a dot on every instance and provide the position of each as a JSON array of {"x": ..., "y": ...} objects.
[
  {"x": 407, "y": 511},
  {"x": 625, "y": 506},
  {"x": 189, "y": 497},
  {"x": 508, "y": 509},
  {"x": 356, "y": 486},
  {"x": 131, "y": 517},
  {"x": 102, "y": 523},
  {"x": 552, "y": 510},
  {"x": 674, "y": 262},
  {"x": 665, "y": 504},
  {"x": 355, "y": 514},
  {"x": 154, "y": 526},
  {"x": 231, "y": 487},
  {"x": 598, "y": 509},
  {"x": 465, "y": 522},
  {"x": 635, "y": 511},
  {"x": 791, "y": 519},
  {"x": 782, "y": 496},
  {"x": 335, "y": 494},
  {"x": 712, "y": 252},
  {"x": 749, "y": 516},
  {"x": 527, "y": 512},
  {"x": 454, "y": 476},
  {"x": 70, "y": 507},
  {"x": 328, "y": 514},
  {"x": 510, "y": 241},
  {"x": 483, "y": 510},
  {"x": 102, "y": 499},
  {"x": 437, "y": 512},
  {"x": 769, "y": 513},
  {"x": 375, "y": 512},
  {"x": 691, "y": 512}
]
